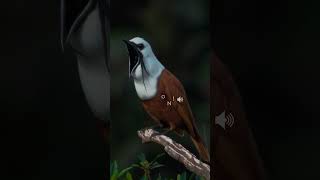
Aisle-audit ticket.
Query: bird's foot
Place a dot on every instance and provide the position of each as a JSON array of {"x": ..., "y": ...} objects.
[{"x": 158, "y": 130}]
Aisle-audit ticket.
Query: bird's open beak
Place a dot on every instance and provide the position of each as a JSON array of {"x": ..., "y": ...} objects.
[{"x": 135, "y": 56}]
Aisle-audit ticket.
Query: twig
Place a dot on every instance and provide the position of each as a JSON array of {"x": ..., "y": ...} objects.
[{"x": 176, "y": 151}]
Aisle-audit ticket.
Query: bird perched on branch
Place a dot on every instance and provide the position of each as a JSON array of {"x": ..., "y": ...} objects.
[{"x": 162, "y": 94}]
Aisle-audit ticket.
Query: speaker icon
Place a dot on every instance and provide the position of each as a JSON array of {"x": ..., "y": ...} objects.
[
  {"x": 230, "y": 120},
  {"x": 223, "y": 120}
]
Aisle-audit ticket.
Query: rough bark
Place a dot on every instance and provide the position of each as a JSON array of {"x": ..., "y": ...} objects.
[{"x": 176, "y": 151}]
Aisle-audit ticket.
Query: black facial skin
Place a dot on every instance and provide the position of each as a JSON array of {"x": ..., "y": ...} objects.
[
  {"x": 140, "y": 46},
  {"x": 135, "y": 56}
]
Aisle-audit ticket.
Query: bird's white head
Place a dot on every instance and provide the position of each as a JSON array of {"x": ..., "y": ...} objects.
[
  {"x": 141, "y": 58},
  {"x": 144, "y": 67},
  {"x": 143, "y": 46}
]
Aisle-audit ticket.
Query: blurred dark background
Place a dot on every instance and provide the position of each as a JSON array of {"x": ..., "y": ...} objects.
[
  {"x": 47, "y": 129},
  {"x": 272, "y": 49},
  {"x": 179, "y": 34},
  {"x": 48, "y": 132}
]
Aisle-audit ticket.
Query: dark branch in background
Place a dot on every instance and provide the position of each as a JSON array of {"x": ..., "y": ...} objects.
[{"x": 176, "y": 151}]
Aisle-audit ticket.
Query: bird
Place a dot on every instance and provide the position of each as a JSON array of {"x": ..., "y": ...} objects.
[{"x": 162, "y": 95}]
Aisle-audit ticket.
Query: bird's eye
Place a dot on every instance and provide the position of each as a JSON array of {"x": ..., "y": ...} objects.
[{"x": 140, "y": 46}]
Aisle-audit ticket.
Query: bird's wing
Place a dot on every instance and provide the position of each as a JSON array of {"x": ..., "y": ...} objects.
[
  {"x": 186, "y": 115},
  {"x": 183, "y": 108}
]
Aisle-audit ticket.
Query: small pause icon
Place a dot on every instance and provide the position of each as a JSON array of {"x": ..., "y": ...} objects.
[{"x": 230, "y": 120}]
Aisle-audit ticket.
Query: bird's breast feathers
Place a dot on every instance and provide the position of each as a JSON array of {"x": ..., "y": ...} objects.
[{"x": 147, "y": 87}]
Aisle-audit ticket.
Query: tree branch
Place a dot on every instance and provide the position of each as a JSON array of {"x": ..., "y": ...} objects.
[{"x": 176, "y": 151}]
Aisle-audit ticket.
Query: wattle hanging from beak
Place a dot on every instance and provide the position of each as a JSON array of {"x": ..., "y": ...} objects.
[{"x": 135, "y": 56}]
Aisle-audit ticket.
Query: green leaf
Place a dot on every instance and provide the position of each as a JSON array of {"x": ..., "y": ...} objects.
[
  {"x": 141, "y": 157},
  {"x": 159, "y": 177},
  {"x": 156, "y": 165},
  {"x": 128, "y": 176},
  {"x": 184, "y": 176},
  {"x": 115, "y": 168},
  {"x": 136, "y": 165},
  {"x": 178, "y": 177},
  {"x": 124, "y": 171},
  {"x": 192, "y": 176},
  {"x": 111, "y": 165},
  {"x": 144, "y": 164},
  {"x": 199, "y": 178},
  {"x": 114, "y": 177},
  {"x": 157, "y": 157},
  {"x": 144, "y": 178}
]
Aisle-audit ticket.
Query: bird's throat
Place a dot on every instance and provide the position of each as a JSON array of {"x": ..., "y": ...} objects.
[{"x": 146, "y": 86}]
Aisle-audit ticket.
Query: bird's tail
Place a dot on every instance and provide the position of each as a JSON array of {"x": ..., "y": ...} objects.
[{"x": 201, "y": 148}]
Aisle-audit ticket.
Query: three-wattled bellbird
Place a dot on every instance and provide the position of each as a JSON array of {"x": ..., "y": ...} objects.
[{"x": 161, "y": 93}]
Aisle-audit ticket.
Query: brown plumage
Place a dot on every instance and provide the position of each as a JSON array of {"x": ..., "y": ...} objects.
[
  {"x": 177, "y": 116},
  {"x": 155, "y": 87}
]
